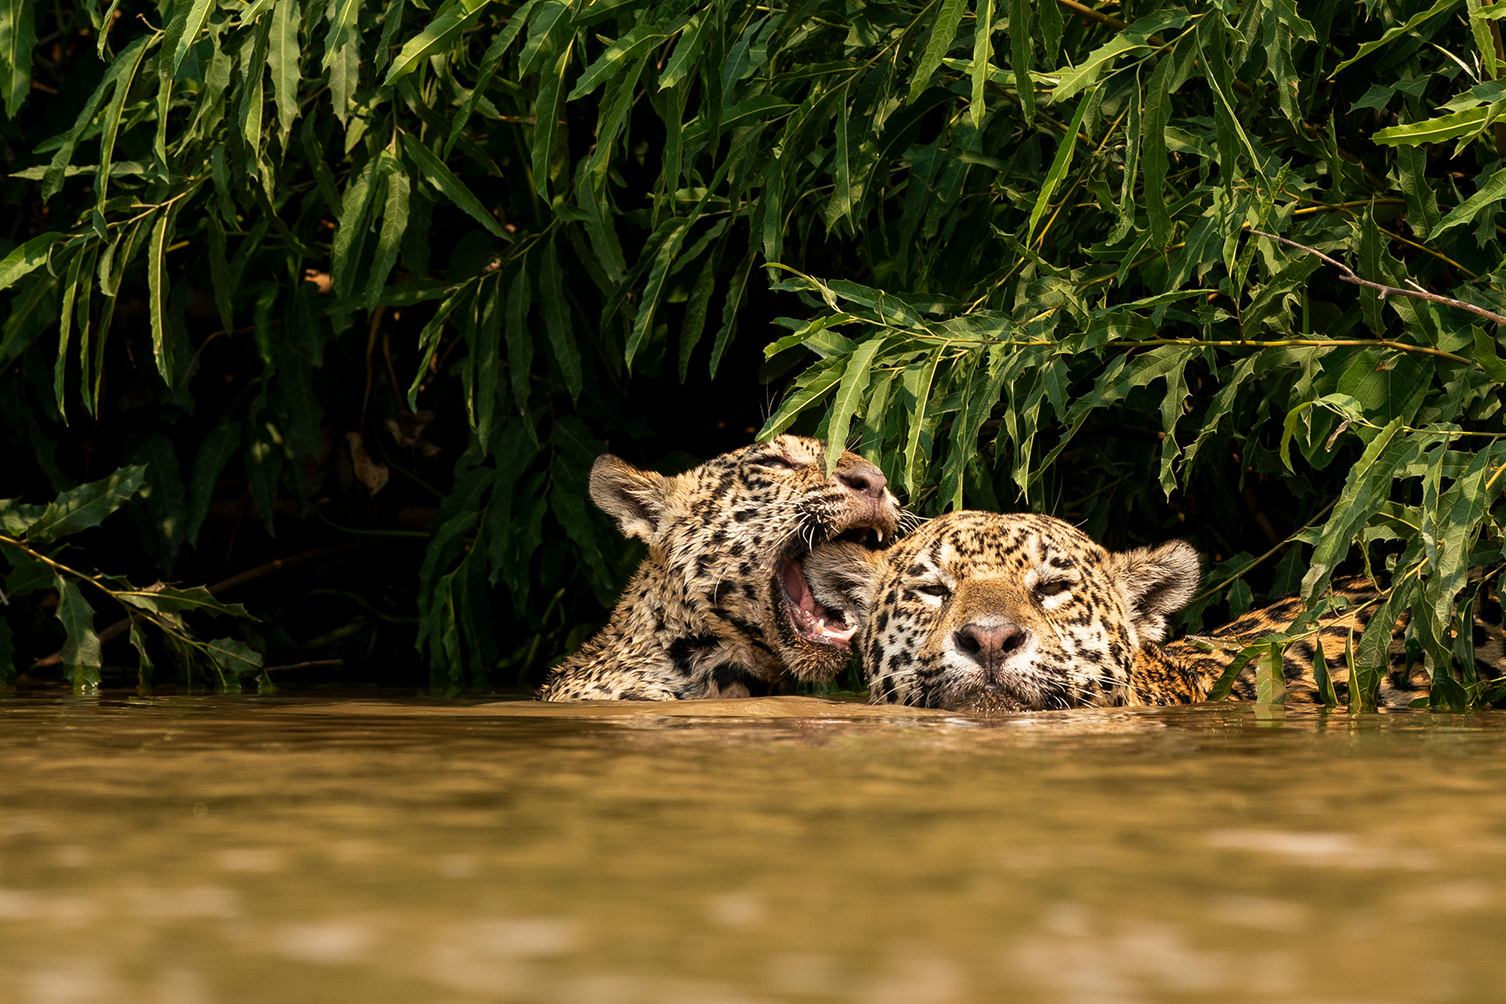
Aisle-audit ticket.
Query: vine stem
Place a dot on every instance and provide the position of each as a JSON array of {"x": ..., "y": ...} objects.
[{"x": 1417, "y": 293}]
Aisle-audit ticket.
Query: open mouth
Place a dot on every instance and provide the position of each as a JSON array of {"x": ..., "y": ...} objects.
[{"x": 811, "y": 621}]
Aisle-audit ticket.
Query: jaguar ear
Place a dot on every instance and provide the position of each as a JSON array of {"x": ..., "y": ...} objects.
[
  {"x": 844, "y": 576},
  {"x": 634, "y": 498},
  {"x": 1155, "y": 582}
]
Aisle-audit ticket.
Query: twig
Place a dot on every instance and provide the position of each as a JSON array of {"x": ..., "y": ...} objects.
[
  {"x": 1385, "y": 291},
  {"x": 249, "y": 575},
  {"x": 311, "y": 664}
]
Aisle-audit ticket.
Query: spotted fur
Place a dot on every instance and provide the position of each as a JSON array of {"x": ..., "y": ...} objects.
[
  {"x": 984, "y": 612},
  {"x": 719, "y": 607}
]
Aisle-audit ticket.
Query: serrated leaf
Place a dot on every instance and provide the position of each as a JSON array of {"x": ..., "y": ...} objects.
[
  {"x": 282, "y": 57},
  {"x": 81, "y": 655},
  {"x": 233, "y": 657},
  {"x": 943, "y": 34},
  {"x": 85, "y": 506},
  {"x": 157, "y": 287},
  {"x": 432, "y": 170},
  {"x": 389, "y": 243},
  {"x": 171, "y": 599},
  {"x": 1075, "y": 78},
  {"x": 183, "y": 31},
  {"x": 453, "y": 18},
  {"x": 18, "y": 37},
  {"x": 620, "y": 55},
  {"x": 849, "y": 395},
  {"x": 809, "y": 388},
  {"x": 1488, "y": 195},
  {"x": 687, "y": 48},
  {"x": 1059, "y": 165},
  {"x": 557, "y": 322},
  {"x": 669, "y": 249},
  {"x": 1400, "y": 30},
  {"x": 25, "y": 258},
  {"x": 1365, "y": 490}
]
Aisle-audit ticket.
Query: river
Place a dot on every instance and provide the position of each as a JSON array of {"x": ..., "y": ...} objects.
[{"x": 191, "y": 850}]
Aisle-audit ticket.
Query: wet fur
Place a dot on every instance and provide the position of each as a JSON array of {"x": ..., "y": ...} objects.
[
  {"x": 1096, "y": 641},
  {"x": 703, "y": 614}
]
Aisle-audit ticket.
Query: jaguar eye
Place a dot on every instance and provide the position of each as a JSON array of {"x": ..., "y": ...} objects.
[
  {"x": 777, "y": 463},
  {"x": 935, "y": 589},
  {"x": 1053, "y": 588}
]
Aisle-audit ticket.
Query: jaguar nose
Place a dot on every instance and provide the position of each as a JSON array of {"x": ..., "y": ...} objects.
[
  {"x": 863, "y": 478},
  {"x": 989, "y": 644}
]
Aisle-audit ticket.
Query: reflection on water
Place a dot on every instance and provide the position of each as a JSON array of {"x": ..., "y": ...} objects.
[{"x": 194, "y": 851}]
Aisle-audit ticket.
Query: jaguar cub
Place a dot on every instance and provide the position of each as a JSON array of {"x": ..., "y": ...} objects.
[
  {"x": 988, "y": 612},
  {"x": 720, "y": 607}
]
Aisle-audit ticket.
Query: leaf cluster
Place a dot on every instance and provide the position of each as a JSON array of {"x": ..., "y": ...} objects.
[{"x": 1006, "y": 251}]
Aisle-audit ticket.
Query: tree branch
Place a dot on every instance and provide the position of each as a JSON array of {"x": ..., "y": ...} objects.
[
  {"x": 1416, "y": 293},
  {"x": 250, "y": 575}
]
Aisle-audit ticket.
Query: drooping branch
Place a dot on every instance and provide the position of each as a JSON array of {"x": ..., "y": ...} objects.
[{"x": 1416, "y": 292}]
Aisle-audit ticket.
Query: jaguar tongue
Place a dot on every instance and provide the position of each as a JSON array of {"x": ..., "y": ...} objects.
[{"x": 812, "y": 621}]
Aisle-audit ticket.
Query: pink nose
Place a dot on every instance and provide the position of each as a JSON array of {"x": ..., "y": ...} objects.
[
  {"x": 989, "y": 644},
  {"x": 863, "y": 478}
]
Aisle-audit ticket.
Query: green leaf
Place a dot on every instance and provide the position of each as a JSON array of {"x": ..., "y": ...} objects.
[
  {"x": 432, "y": 170},
  {"x": 145, "y": 667},
  {"x": 546, "y": 114},
  {"x": 18, "y": 37},
  {"x": 1322, "y": 680},
  {"x": 917, "y": 381},
  {"x": 810, "y": 387},
  {"x": 208, "y": 463},
  {"x": 669, "y": 249},
  {"x": 943, "y": 34},
  {"x": 983, "y": 54},
  {"x": 1059, "y": 165},
  {"x": 849, "y": 396},
  {"x": 687, "y": 48},
  {"x": 394, "y": 226},
  {"x": 1087, "y": 71},
  {"x": 16, "y": 516},
  {"x": 557, "y": 322},
  {"x": 233, "y": 657},
  {"x": 1486, "y": 356},
  {"x": 282, "y": 57},
  {"x": 1270, "y": 681},
  {"x": 130, "y": 61},
  {"x": 519, "y": 339},
  {"x": 621, "y": 54},
  {"x": 1405, "y": 28},
  {"x": 85, "y": 506},
  {"x": 26, "y": 258},
  {"x": 81, "y": 656},
  {"x": 157, "y": 285},
  {"x": 1488, "y": 195},
  {"x": 122, "y": 67},
  {"x": 1365, "y": 490},
  {"x": 170, "y": 599},
  {"x": 491, "y": 61},
  {"x": 453, "y": 18},
  {"x": 1440, "y": 128},
  {"x": 183, "y": 31}
]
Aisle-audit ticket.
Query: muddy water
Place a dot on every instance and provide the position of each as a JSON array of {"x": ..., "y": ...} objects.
[{"x": 178, "y": 851}]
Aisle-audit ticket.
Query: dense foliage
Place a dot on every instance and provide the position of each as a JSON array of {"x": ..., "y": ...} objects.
[{"x": 374, "y": 268}]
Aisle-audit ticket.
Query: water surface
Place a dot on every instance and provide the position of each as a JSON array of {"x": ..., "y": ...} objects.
[{"x": 205, "y": 850}]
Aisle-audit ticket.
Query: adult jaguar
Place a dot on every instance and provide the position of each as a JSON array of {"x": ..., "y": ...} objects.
[
  {"x": 985, "y": 612},
  {"x": 720, "y": 607}
]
